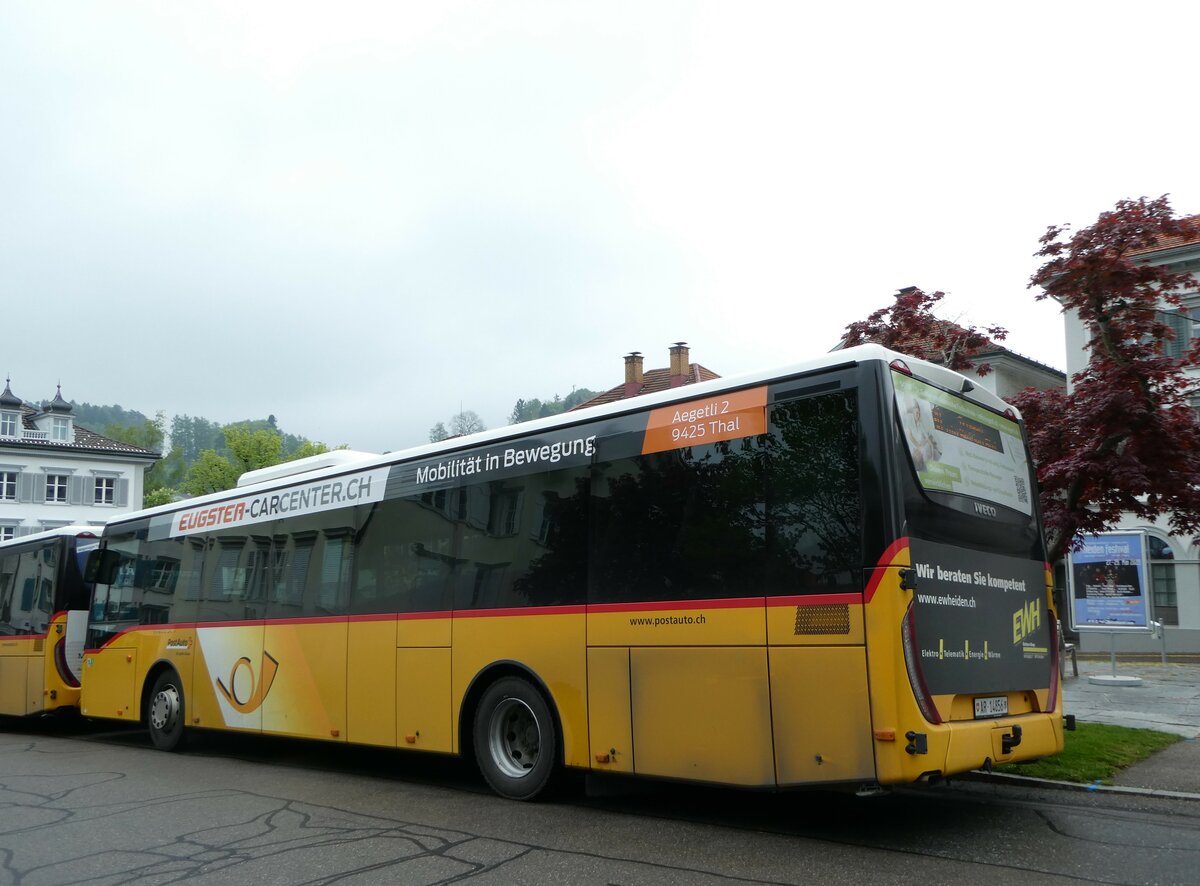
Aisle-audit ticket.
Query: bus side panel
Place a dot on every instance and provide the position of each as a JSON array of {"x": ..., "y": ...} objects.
[
  {"x": 703, "y": 714},
  {"x": 14, "y": 676},
  {"x": 371, "y": 682},
  {"x": 422, "y": 698},
  {"x": 301, "y": 683},
  {"x": 110, "y": 683},
  {"x": 815, "y": 621},
  {"x": 684, "y": 623},
  {"x": 821, "y": 714},
  {"x": 551, "y": 646},
  {"x": 423, "y": 690},
  {"x": 36, "y": 697},
  {"x": 229, "y": 671},
  {"x": 610, "y": 722}
]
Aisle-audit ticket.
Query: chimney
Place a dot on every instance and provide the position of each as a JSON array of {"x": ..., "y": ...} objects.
[
  {"x": 679, "y": 363},
  {"x": 633, "y": 374}
]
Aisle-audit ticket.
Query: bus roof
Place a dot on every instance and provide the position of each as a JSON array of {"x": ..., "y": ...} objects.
[
  {"x": 312, "y": 469},
  {"x": 57, "y": 532}
]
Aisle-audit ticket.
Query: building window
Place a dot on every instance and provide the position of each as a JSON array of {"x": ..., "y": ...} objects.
[
  {"x": 8, "y": 424},
  {"x": 56, "y": 487},
  {"x": 1184, "y": 323},
  {"x": 60, "y": 429},
  {"x": 8, "y": 485},
  {"x": 106, "y": 491},
  {"x": 7, "y": 533},
  {"x": 1162, "y": 580}
]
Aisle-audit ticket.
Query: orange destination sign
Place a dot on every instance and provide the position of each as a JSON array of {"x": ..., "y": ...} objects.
[{"x": 723, "y": 417}]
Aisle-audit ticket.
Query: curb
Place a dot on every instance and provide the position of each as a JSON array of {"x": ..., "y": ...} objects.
[{"x": 1026, "y": 781}]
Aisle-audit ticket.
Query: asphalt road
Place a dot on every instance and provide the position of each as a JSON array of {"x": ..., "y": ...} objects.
[{"x": 85, "y": 804}]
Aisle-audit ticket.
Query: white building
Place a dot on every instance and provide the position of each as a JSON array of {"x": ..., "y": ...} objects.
[
  {"x": 1174, "y": 569},
  {"x": 54, "y": 473}
]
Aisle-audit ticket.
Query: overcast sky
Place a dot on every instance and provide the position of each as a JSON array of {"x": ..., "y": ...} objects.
[{"x": 357, "y": 217}]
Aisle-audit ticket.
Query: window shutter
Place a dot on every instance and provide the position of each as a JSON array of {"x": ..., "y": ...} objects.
[
  {"x": 26, "y": 484},
  {"x": 1181, "y": 325},
  {"x": 75, "y": 490},
  {"x": 122, "y": 499}
]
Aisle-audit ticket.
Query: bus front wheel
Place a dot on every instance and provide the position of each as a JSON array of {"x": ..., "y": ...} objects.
[
  {"x": 164, "y": 712},
  {"x": 516, "y": 741}
]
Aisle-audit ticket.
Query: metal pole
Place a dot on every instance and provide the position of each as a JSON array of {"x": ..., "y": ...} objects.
[{"x": 1113, "y": 637}]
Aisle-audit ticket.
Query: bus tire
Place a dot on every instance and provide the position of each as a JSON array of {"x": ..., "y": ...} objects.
[
  {"x": 164, "y": 712},
  {"x": 516, "y": 740}
]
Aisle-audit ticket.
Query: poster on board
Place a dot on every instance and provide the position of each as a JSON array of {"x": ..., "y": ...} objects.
[{"x": 1109, "y": 590}]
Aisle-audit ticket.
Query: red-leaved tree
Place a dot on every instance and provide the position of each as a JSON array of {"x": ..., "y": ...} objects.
[
  {"x": 1125, "y": 439},
  {"x": 909, "y": 326}
]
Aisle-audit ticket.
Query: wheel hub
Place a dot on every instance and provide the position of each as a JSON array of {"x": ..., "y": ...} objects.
[
  {"x": 164, "y": 709},
  {"x": 514, "y": 738}
]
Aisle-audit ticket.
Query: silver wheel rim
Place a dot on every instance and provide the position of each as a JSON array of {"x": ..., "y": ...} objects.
[
  {"x": 514, "y": 738},
  {"x": 164, "y": 710}
]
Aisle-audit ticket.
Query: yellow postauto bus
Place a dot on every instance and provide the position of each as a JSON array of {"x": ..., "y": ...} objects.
[
  {"x": 43, "y": 619},
  {"x": 832, "y": 574}
]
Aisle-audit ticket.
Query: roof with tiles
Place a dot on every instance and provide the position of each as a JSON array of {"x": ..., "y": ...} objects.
[
  {"x": 651, "y": 381},
  {"x": 82, "y": 441},
  {"x": 85, "y": 440},
  {"x": 1174, "y": 241}
]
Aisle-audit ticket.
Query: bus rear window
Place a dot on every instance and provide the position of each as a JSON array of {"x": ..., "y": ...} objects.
[{"x": 959, "y": 447}]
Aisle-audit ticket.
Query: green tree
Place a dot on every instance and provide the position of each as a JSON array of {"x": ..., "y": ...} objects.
[
  {"x": 438, "y": 433},
  {"x": 211, "y": 472},
  {"x": 246, "y": 449},
  {"x": 528, "y": 410}
]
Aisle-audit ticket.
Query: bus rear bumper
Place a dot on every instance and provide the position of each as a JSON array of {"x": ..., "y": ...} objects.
[{"x": 975, "y": 744}]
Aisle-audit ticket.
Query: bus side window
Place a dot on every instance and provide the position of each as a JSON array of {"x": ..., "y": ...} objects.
[
  {"x": 405, "y": 556},
  {"x": 814, "y": 502},
  {"x": 683, "y": 524}
]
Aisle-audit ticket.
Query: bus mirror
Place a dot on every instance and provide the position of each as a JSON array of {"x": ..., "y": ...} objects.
[{"x": 102, "y": 565}]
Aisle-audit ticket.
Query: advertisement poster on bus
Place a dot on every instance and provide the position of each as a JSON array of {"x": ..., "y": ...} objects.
[{"x": 1108, "y": 583}]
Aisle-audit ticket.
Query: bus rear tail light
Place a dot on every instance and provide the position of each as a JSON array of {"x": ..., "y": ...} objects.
[
  {"x": 912, "y": 662},
  {"x": 1055, "y": 664},
  {"x": 60, "y": 664},
  {"x": 901, "y": 366}
]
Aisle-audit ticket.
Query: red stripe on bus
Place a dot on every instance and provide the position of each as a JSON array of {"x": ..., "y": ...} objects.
[
  {"x": 885, "y": 560},
  {"x": 815, "y": 600},
  {"x": 525, "y": 610},
  {"x": 673, "y": 605}
]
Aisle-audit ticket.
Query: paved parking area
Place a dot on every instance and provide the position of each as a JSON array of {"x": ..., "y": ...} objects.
[{"x": 1167, "y": 699}]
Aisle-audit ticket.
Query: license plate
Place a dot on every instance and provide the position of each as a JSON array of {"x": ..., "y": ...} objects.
[{"x": 991, "y": 706}]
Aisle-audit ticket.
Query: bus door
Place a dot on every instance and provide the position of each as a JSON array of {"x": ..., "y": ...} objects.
[
  {"x": 230, "y": 621},
  {"x": 821, "y": 716},
  {"x": 677, "y": 660},
  {"x": 303, "y": 674}
]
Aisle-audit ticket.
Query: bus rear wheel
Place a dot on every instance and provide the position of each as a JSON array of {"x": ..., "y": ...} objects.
[
  {"x": 516, "y": 740},
  {"x": 164, "y": 712}
]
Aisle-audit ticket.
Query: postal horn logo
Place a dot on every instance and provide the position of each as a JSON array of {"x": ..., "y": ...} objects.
[{"x": 247, "y": 696}]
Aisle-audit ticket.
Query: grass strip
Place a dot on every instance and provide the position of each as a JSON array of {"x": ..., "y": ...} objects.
[{"x": 1094, "y": 753}]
